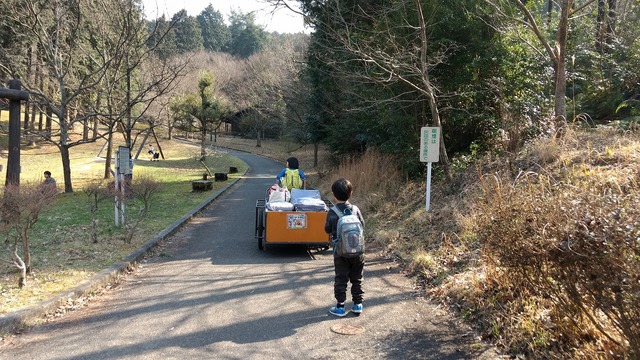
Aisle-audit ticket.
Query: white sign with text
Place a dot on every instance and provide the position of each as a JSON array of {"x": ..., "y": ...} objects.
[
  {"x": 429, "y": 153},
  {"x": 430, "y": 144}
]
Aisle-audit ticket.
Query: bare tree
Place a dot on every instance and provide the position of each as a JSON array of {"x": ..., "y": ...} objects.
[
  {"x": 19, "y": 212},
  {"x": 557, "y": 54},
  {"x": 144, "y": 189},
  {"x": 394, "y": 59},
  {"x": 60, "y": 33},
  {"x": 556, "y": 49},
  {"x": 92, "y": 60},
  {"x": 137, "y": 77},
  {"x": 257, "y": 93},
  {"x": 96, "y": 193}
]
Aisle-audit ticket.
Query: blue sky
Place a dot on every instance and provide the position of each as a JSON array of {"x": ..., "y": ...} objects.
[{"x": 283, "y": 21}]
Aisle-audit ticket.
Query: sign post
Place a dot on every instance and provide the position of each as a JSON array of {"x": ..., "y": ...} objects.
[
  {"x": 123, "y": 168},
  {"x": 429, "y": 153}
]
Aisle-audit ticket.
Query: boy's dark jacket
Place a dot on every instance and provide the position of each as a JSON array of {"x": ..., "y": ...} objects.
[{"x": 331, "y": 224}]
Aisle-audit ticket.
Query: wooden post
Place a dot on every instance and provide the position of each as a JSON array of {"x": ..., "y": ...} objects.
[{"x": 15, "y": 95}]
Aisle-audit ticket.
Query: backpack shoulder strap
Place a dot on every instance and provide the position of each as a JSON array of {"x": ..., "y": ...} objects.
[{"x": 337, "y": 211}]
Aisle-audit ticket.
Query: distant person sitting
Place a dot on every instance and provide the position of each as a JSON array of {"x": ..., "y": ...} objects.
[
  {"x": 49, "y": 183},
  {"x": 291, "y": 176}
]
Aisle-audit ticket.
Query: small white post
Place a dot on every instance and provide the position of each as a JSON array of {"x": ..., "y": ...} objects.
[
  {"x": 117, "y": 203},
  {"x": 428, "y": 185},
  {"x": 122, "y": 195}
]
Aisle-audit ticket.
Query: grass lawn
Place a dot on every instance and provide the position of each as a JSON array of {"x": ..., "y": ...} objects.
[{"x": 62, "y": 252}]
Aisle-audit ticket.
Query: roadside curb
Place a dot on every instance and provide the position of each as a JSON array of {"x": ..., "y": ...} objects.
[{"x": 22, "y": 318}]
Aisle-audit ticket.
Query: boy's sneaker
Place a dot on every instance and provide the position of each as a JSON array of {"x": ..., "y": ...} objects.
[
  {"x": 357, "y": 309},
  {"x": 337, "y": 311}
]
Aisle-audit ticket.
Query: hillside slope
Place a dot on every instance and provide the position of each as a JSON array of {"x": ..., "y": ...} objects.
[{"x": 540, "y": 249}]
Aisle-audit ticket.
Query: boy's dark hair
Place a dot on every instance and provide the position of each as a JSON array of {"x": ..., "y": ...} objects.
[
  {"x": 342, "y": 189},
  {"x": 47, "y": 172},
  {"x": 293, "y": 163}
]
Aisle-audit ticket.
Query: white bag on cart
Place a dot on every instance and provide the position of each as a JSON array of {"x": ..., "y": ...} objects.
[
  {"x": 279, "y": 206},
  {"x": 279, "y": 194}
]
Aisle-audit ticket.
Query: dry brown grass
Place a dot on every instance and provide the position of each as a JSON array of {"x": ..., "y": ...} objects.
[
  {"x": 373, "y": 176},
  {"x": 541, "y": 254}
]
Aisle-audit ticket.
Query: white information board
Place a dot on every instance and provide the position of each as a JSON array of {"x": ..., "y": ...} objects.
[
  {"x": 429, "y": 153},
  {"x": 430, "y": 144}
]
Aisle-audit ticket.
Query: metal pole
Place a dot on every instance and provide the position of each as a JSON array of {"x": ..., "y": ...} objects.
[
  {"x": 123, "y": 185},
  {"x": 117, "y": 204},
  {"x": 428, "y": 185}
]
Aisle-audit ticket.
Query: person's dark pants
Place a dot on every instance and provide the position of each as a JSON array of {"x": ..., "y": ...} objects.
[{"x": 349, "y": 270}]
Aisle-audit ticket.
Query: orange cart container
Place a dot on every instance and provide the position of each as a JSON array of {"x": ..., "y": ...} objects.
[{"x": 291, "y": 227}]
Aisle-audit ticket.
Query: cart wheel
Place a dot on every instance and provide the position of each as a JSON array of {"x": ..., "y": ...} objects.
[{"x": 260, "y": 230}]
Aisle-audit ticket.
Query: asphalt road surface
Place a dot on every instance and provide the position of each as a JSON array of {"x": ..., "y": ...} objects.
[{"x": 209, "y": 293}]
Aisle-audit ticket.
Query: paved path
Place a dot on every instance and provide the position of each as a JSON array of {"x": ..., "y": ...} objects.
[{"x": 209, "y": 293}]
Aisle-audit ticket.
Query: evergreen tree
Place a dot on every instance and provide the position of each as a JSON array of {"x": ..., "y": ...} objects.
[
  {"x": 188, "y": 33},
  {"x": 215, "y": 33},
  {"x": 247, "y": 38},
  {"x": 162, "y": 38}
]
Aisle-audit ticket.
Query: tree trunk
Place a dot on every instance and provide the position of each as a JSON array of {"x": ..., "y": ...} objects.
[
  {"x": 40, "y": 121},
  {"x": 47, "y": 124},
  {"x": 41, "y": 82},
  {"x": 557, "y": 55},
  {"x": 66, "y": 168},
  {"x": 107, "y": 163},
  {"x": 430, "y": 92},
  {"x": 169, "y": 125},
  {"x": 85, "y": 129},
  {"x": 611, "y": 20},
  {"x": 599, "y": 25},
  {"x": 561, "y": 75},
  {"x": 27, "y": 105},
  {"x": 96, "y": 124},
  {"x": 203, "y": 142},
  {"x": 32, "y": 123},
  {"x": 22, "y": 279},
  {"x": 30, "y": 74},
  {"x": 26, "y": 251},
  {"x": 549, "y": 13}
]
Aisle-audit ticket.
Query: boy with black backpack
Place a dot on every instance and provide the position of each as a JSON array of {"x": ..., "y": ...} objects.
[{"x": 346, "y": 225}]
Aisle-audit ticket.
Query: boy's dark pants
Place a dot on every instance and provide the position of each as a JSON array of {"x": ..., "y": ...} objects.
[{"x": 348, "y": 270}]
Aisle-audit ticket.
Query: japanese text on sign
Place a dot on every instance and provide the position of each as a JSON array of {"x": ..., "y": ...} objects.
[{"x": 430, "y": 144}]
